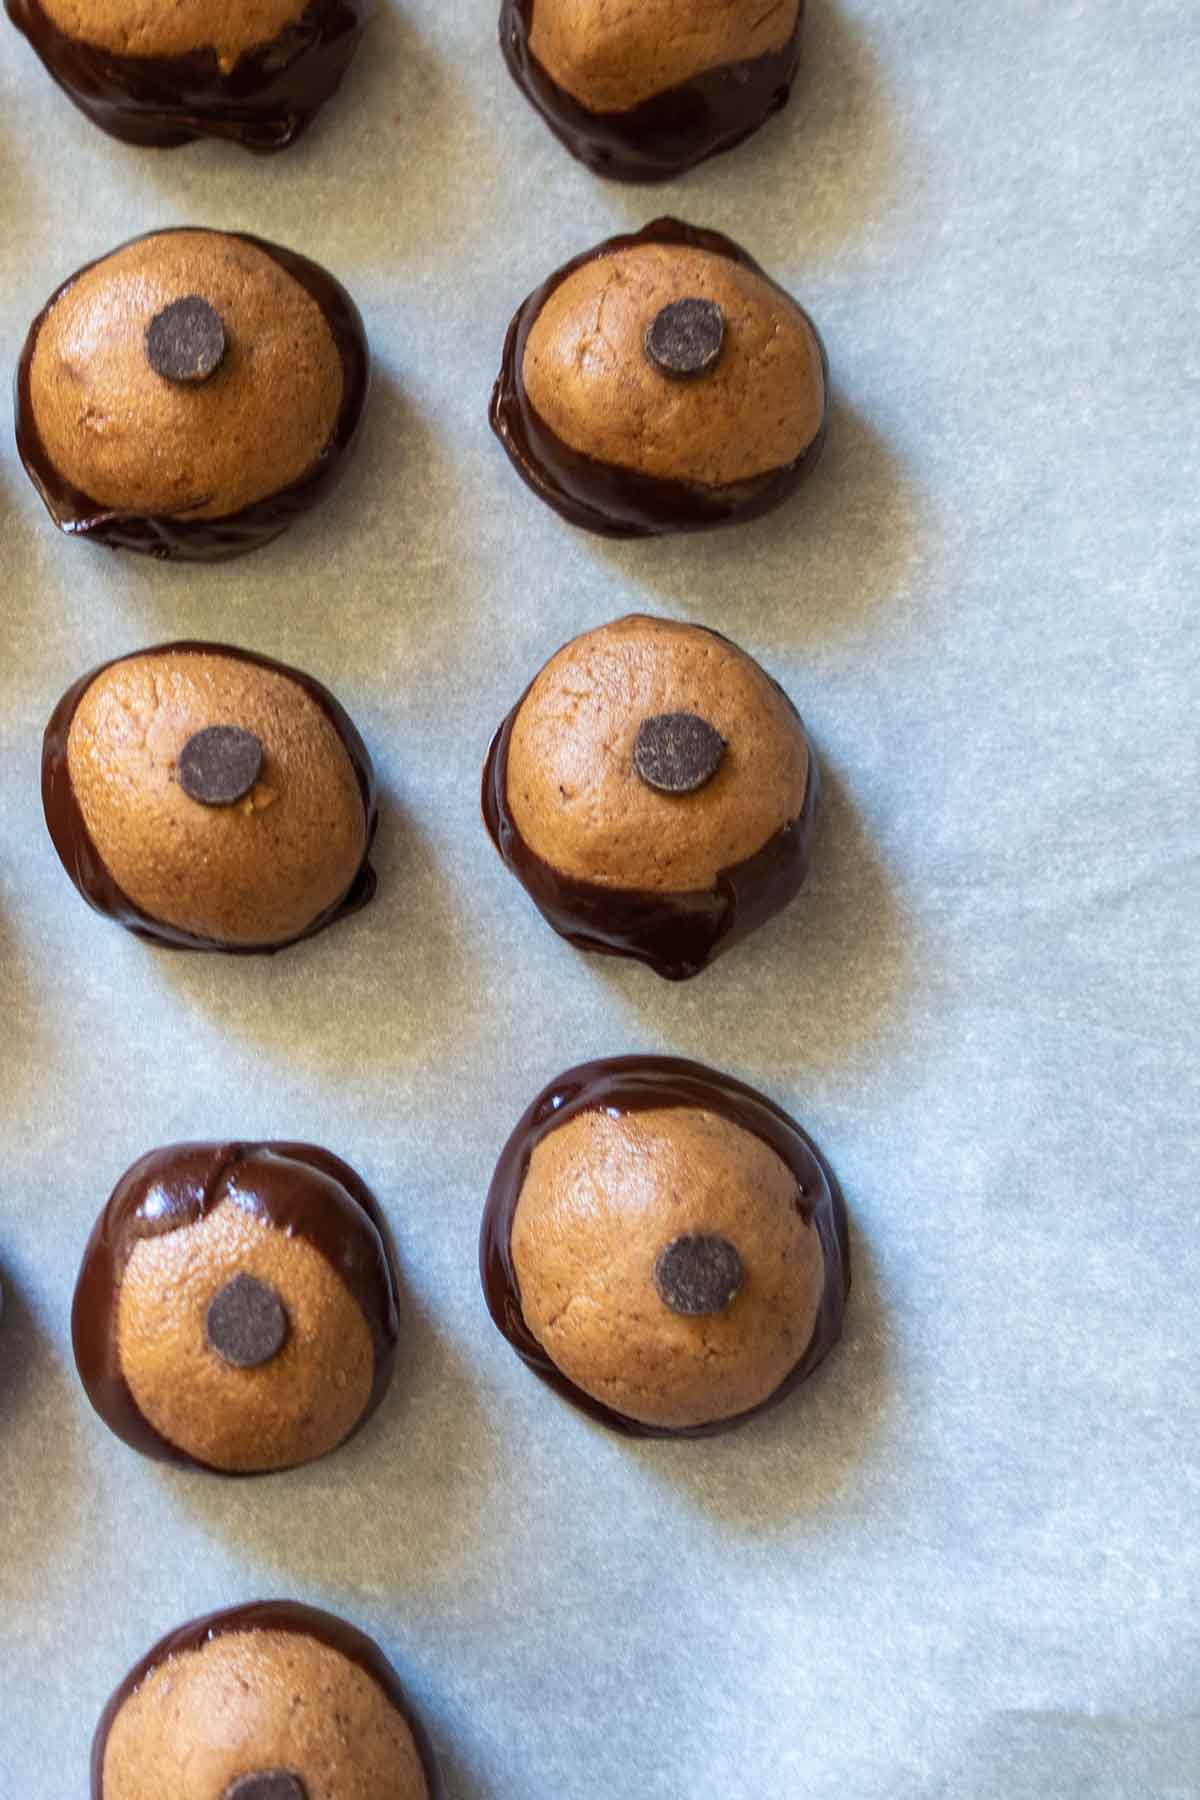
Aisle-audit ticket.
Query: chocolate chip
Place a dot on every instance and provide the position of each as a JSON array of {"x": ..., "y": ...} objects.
[
  {"x": 699, "y": 1273},
  {"x": 267, "y": 1784},
  {"x": 677, "y": 752},
  {"x": 186, "y": 340},
  {"x": 246, "y": 1323},
  {"x": 685, "y": 338},
  {"x": 219, "y": 764}
]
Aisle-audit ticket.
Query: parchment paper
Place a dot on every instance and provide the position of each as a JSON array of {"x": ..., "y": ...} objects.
[{"x": 963, "y": 1562}]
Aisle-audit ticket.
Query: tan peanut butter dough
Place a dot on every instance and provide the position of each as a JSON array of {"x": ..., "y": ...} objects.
[
  {"x": 291, "y": 1409},
  {"x": 573, "y": 789},
  {"x": 587, "y": 376},
  {"x": 257, "y": 872},
  {"x": 134, "y": 441},
  {"x": 611, "y": 55},
  {"x": 602, "y": 1198},
  {"x": 255, "y": 1701},
  {"x": 155, "y": 28}
]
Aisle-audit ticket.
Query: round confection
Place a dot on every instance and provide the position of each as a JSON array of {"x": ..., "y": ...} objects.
[
  {"x": 210, "y": 798},
  {"x": 642, "y": 93},
  {"x": 587, "y": 374},
  {"x": 130, "y": 444},
  {"x": 236, "y": 1306},
  {"x": 273, "y": 1701},
  {"x": 661, "y": 382},
  {"x": 653, "y": 790},
  {"x": 665, "y": 1244},
  {"x": 162, "y": 75}
]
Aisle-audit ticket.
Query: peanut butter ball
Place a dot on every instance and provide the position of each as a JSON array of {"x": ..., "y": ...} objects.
[
  {"x": 236, "y": 1309},
  {"x": 653, "y": 790},
  {"x": 190, "y": 394},
  {"x": 209, "y": 798},
  {"x": 271, "y": 1701},
  {"x": 641, "y": 93},
  {"x": 255, "y": 74},
  {"x": 664, "y": 1246},
  {"x": 661, "y": 382}
]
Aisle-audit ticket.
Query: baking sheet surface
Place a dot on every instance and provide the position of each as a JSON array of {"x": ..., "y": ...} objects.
[{"x": 964, "y": 1561}]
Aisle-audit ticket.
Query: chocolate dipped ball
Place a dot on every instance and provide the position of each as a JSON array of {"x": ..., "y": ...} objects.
[
  {"x": 209, "y": 798},
  {"x": 256, "y": 75},
  {"x": 664, "y": 1246},
  {"x": 236, "y": 1309},
  {"x": 190, "y": 394},
  {"x": 271, "y": 1701},
  {"x": 661, "y": 382},
  {"x": 653, "y": 790},
  {"x": 643, "y": 92}
]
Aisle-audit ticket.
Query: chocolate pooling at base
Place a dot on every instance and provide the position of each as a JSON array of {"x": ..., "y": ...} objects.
[
  {"x": 676, "y": 935},
  {"x": 668, "y": 133},
  {"x": 623, "y": 1084},
  {"x": 299, "y": 1189},
  {"x": 86, "y": 868},
  {"x": 264, "y": 103},
  {"x": 271, "y": 1615},
  {"x": 177, "y": 537},
  {"x": 604, "y": 497}
]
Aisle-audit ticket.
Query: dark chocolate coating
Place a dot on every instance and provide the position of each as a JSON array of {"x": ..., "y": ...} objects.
[
  {"x": 298, "y": 1189},
  {"x": 272, "y": 1615},
  {"x": 623, "y": 1084},
  {"x": 182, "y": 539},
  {"x": 265, "y": 102},
  {"x": 676, "y": 935},
  {"x": 83, "y": 863},
  {"x": 669, "y": 132},
  {"x": 604, "y": 497}
]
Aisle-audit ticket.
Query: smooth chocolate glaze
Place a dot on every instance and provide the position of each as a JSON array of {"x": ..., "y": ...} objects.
[
  {"x": 298, "y": 1189},
  {"x": 271, "y": 1615},
  {"x": 671, "y": 131},
  {"x": 264, "y": 103},
  {"x": 676, "y": 935},
  {"x": 604, "y": 497},
  {"x": 175, "y": 536},
  {"x": 624, "y": 1084},
  {"x": 83, "y": 863}
]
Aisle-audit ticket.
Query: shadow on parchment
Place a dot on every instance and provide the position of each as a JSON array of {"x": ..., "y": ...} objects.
[
  {"x": 821, "y": 986},
  {"x": 29, "y": 1055},
  {"x": 378, "y": 992},
  {"x": 829, "y": 164},
  {"x": 397, "y": 1504},
  {"x": 463, "y": 1780},
  {"x": 842, "y": 545},
  {"x": 399, "y": 96},
  {"x": 805, "y": 1455},
  {"x": 35, "y": 1409}
]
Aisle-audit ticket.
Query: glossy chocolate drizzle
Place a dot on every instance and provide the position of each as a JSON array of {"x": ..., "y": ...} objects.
[
  {"x": 676, "y": 935},
  {"x": 669, "y": 132},
  {"x": 176, "y": 536},
  {"x": 271, "y": 1615},
  {"x": 604, "y": 497},
  {"x": 624, "y": 1084},
  {"x": 298, "y": 1189},
  {"x": 264, "y": 103},
  {"x": 83, "y": 863}
]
